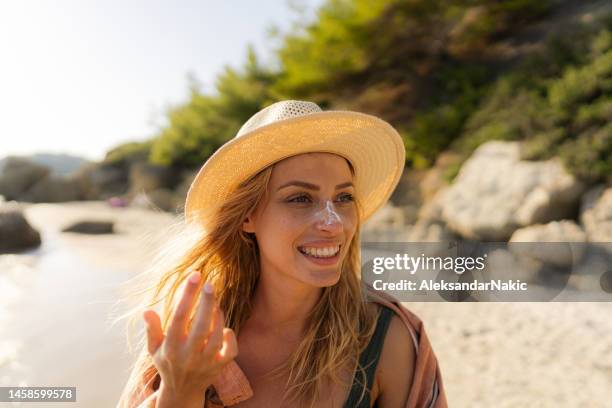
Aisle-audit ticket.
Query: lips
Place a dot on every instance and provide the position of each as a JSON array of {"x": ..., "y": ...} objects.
[
  {"x": 324, "y": 261},
  {"x": 323, "y": 252}
]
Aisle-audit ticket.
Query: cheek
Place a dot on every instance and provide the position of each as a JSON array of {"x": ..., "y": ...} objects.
[
  {"x": 278, "y": 237},
  {"x": 349, "y": 221}
]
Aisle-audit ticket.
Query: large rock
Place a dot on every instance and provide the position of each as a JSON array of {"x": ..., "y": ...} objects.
[
  {"x": 146, "y": 177},
  {"x": 18, "y": 176},
  {"x": 388, "y": 216},
  {"x": 430, "y": 226},
  {"x": 594, "y": 268},
  {"x": 100, "y": 181},
  {"x": 53, "y": 190},
  {"x": 387, "y": 224},
  {"x": 596, "y": 214},
  {"x": 91, "y": 227},
  {"x": 496, "y": 193},
  {"x": 160, "y": 199},
  {"x": 559, "y": 243},
  {"x": 16, "y": 234}
]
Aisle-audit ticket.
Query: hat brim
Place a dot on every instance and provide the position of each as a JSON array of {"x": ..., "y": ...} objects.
[{"x": 373, "y": 147}]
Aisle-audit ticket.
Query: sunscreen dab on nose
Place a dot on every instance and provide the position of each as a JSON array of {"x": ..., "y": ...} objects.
[{"x": 328, "y": 214}]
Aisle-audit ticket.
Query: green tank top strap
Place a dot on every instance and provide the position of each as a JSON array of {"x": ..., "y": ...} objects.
[{"x": 369, "y": 360}]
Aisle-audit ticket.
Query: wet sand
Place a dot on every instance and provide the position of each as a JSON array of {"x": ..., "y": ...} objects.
[{"x": 56, "y": 305}]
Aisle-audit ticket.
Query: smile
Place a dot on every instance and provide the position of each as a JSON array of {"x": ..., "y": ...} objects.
[
  {"x": 329, "y": 256},
  {"x": 328, "y": 252}
]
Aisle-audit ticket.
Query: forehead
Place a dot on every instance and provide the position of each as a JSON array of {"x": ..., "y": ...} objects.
[{"x": 311, "y": 165}]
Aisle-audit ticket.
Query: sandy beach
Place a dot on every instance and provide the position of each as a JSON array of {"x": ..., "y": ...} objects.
[
  {"x": 522, "y": 354},
  {"x": 56, "y": 304}
]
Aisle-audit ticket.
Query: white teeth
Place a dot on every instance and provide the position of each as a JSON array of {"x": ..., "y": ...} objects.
[{"x": 321, "y": 252}]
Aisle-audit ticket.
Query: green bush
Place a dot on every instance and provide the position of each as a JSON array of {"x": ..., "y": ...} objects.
[
  {"x": 589, "y": 154},
  {"x": 597, "y": 113},
  {"x": 582, "y": 85},
  {"x": 509, "y": 112},
  {"x": 129, "y": 152},
  {"x": 566, "y": 115},
  {"x": 581, "y": 102}
]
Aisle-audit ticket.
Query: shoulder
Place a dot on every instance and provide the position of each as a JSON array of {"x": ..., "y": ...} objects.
[
  {"x": 395, "y": 370},
  {"x": 398, "y": 349}
]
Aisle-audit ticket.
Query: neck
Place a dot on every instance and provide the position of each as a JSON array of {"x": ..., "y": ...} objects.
[{"x": 281, "y": 304}]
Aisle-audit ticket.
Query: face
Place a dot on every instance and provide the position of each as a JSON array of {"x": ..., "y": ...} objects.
[{"x": 307, "y": 219}]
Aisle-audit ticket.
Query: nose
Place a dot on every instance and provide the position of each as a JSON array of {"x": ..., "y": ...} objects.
[{"x": 328, "y": 219}]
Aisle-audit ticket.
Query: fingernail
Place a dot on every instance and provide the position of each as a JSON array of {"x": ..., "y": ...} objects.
[
  {"x": 194, "y": 278},
  {"x": 208, "y": 288}
]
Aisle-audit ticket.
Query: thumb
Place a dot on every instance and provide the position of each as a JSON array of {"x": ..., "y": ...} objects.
[
  {"x": 155, "y": 336},
  {"x": 229, "y": 350}
]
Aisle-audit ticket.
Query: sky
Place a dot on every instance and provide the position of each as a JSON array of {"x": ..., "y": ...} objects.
[{"x": 80, "y": 77}]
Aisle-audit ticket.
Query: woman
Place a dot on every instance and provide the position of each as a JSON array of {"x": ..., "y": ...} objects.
[{"x": 283, "y": 318}]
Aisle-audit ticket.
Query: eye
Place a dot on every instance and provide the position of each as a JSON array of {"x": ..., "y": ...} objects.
[
  {"x": 305, "y": 198},
  {"x": 347, "y": 198},
  {"x": 298, "y": 199}
]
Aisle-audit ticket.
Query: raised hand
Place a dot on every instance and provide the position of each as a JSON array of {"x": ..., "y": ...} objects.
[{"x": 189, "y": 360}]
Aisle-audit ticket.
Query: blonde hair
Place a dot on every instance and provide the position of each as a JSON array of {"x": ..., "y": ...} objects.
[{"x": 337, "y": 329}]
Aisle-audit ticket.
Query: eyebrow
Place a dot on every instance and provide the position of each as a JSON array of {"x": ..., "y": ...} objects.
[{"x": 312, "y": 186}]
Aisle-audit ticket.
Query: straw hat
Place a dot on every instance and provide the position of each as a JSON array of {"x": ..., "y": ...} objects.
[{"x": 288, "y": 128}]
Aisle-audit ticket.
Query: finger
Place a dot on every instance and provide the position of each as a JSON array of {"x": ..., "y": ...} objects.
[
  {"x": 215, "y": 340},
  {"x": 155, "y": 335},
  {"x": 222, "y": 317},
  {"x": 201, "y": 329},
  {"x": 229, "y": 350},
  {"x": 177, "y": 327}
]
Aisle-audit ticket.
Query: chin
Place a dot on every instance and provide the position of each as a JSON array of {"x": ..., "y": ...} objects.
[{"x": 322, "y": 278}]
